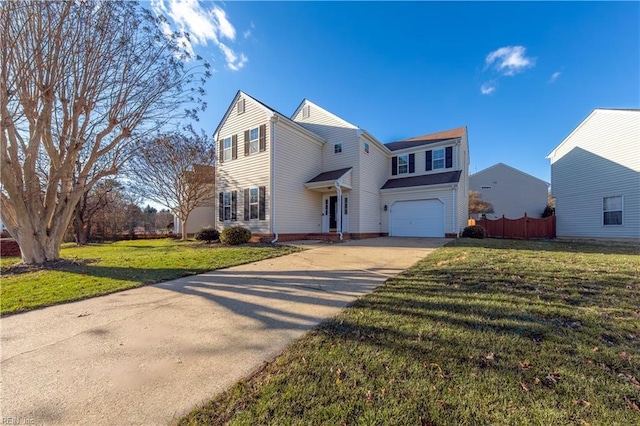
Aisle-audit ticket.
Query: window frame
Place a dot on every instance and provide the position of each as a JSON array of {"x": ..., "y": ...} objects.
[
  {"x": 438, "y": 152},
  {"x": 366, "y": 147},
  {"x": 226, "y": 204},
  {"x": 405, "y": 158},
  {"x": 605, "y": 211},
  {"x": 337, "y": 148},
  {"x": 255, "y": 204},
  {"x": 254, "y": 144},
  {"x": 227, "y": 153}
]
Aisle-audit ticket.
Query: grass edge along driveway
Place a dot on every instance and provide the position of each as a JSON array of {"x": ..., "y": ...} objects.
[
  {"x": 100, "y": 269},
  {"x": 479, "y": 332}
]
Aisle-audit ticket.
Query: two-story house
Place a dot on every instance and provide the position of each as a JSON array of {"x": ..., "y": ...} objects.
[{"x": 315, "y": 173}]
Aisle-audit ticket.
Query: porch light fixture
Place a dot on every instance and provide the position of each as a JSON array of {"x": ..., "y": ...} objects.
[{"x": 385, "y": 207}]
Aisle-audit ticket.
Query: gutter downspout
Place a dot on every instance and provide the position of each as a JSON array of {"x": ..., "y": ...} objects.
[
  {"x": 339, "y": 212},
  {"x": 454, "y": 225},
  {"x": 274, "y": 120}
]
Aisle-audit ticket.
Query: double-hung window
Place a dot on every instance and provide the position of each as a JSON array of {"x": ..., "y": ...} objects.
[
  {"x": 227, "y": 149},
  {"x": 337, "y": 148},
  {"x": 438, "y": 159},
  {"x": 254, "y": 140},
  {"x": 254, "y": 203},
  {"x": 403, "y": 164},
  {"x": 612, "y": 210},
  {"x": 227, "y": 206}
]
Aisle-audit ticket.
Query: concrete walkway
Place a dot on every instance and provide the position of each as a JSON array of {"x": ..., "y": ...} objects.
[{"x": 149, "y": 355}]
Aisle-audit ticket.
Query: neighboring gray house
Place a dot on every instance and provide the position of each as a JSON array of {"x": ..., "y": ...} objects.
[
  {"x": 511, "y": 191},
  {"x": 595, "y": 177},
  {"x": 314, "y": 173}
]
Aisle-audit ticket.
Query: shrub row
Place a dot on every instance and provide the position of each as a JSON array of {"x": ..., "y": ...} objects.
[{"x": 233, "y": 235}]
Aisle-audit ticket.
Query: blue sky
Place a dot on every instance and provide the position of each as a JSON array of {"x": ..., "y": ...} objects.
[{"x": 520, "y": 75}]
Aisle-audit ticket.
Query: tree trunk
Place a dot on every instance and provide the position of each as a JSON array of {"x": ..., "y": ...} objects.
[
  {"x": 183, "y": 225},
  {"x": 36, "y": 246}
]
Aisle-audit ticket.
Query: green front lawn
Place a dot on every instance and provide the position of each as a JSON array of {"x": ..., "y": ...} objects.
[
  {"x": 99, "y": 269},
  {"x": 480, "y": 332}
]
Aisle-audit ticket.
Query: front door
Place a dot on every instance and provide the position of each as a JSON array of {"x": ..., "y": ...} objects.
[{"x": 333, "y": 206}]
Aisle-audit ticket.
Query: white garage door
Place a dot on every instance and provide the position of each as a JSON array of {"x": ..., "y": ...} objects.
[{"x": 423, "y": 218}]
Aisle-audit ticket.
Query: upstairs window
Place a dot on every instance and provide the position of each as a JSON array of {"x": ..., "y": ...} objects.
[
  {"x": 403, "y": 164},
  {"x": 337, "y": 148},
  {"x": 227, "y": 149},
  {"x": 254, "y": 140},
  {"x": 366, "y": 147},
  {"x": 438, "y": 159},
  {"x": 612, "y": 210},
  {"x": 240, "y": 106}
]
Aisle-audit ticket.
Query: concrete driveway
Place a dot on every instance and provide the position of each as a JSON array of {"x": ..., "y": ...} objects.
[{"x": 148, "y": 355}]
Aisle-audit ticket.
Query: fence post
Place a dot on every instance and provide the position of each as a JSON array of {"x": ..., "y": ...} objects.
[
  {"x": 526, "y": 234},
  {"x": 502, "y": 235}
]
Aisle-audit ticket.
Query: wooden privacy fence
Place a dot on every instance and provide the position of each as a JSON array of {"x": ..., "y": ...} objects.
[{"x": 523, "y": 228}]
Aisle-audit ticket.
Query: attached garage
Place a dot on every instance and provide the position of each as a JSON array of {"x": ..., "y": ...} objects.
[{"x": 417, "y": 218}]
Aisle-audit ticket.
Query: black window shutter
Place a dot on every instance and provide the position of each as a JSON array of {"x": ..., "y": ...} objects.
[
  {"x": 234, "y": 205},
  {"x": 221, "y": 151},
  {"x": 261, "y": 214},
  {"x": 448, "y": 157},
  {"x": 221, "y": 207},
  {"x": 234, "y": 147},
  {"x": 246, "y": 143},
  {"x": 394, "y": 166},
  {"x": 246, "y": 204},
  {"x": 429, "y": 160},
  {"x": 412, "y": 163},
  {"x": 263, "y": 137}
]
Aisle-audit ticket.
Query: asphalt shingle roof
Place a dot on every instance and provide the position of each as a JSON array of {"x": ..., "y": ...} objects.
[{"x": 424, "y": 180}]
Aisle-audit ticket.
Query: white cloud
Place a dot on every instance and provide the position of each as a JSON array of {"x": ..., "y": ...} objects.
[
  {"x": 509, "y": 60},
  {"x": 248, "y": 32},
  {"x": 234, "y": 61},
  {"x": 203, "y": 24},
  {"x": 554, "y": 76},
  {"x": 488, "y": 87}
]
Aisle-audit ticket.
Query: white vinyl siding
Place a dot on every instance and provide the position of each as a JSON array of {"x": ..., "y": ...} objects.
[
  {"x": 512, "y": 192},
  {"x": 298, "y": 160},
  {"x": 600, "y": 158},
  {"x": 374, "y": 167},
  {"x": 199, "y": 218},
  {"x": 246, "y": 171},
  {"x": 336, "y": 130}
]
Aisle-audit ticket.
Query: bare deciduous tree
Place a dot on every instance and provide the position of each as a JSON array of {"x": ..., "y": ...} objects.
[
  {"x": 80, "y": 82},
  {"x": 92, "y": 202},
  {"x": 176, "y": 171},
  {"x": 477, "y": 205}
]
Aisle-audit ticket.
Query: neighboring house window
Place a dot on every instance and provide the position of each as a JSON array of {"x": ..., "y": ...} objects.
[
  {"x": 612, "y": 209},
  {"x": 438, "y": 159},
  {"x": 366, "y": 147},
  {"x": 337, "y": 148},
  {"x": 227, "y": 149},
  {"x": 306, "y": 111},
  {"x": 485, "y": 187},
  {"x": 255, "y": 203},
  {"x": 254, "y": 138},
  {"x": 403, "y": 164},
  {"x": 240, "y": 106}
]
